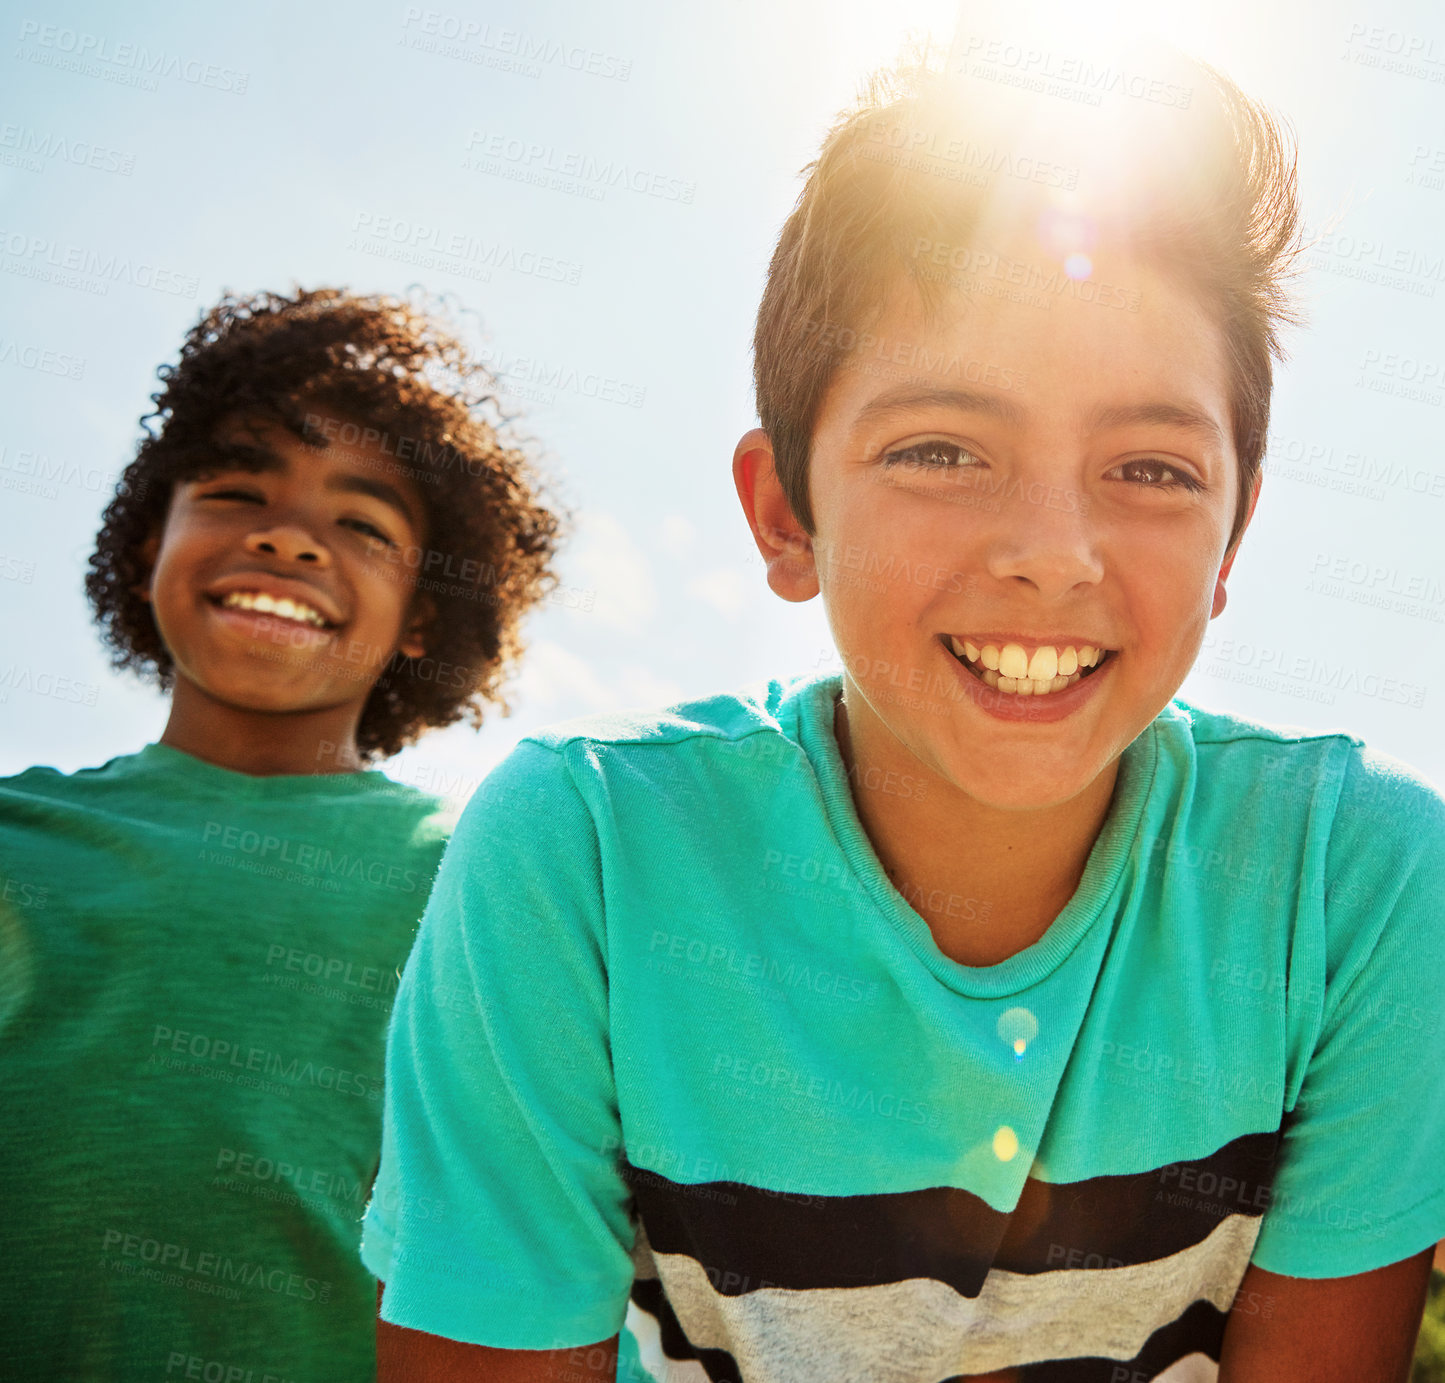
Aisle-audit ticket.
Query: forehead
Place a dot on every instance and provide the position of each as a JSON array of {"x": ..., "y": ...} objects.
[
  {"x": 346, "y": 453},
  {"x": 1005, "y": 319},
  {"x": 327, "y": 440}
]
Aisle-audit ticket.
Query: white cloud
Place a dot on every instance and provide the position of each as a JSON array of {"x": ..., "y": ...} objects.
[
  {"x": 607, "y": 560},
  {"x": 723, "y": 588},
  {"x": 678, "y": 535},
  {"x": 640, "y": 686},
  {"x": 557, "y": 681}
]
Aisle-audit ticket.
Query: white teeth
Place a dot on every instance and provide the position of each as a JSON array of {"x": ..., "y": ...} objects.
[
  {"x": 1029, "y": 686},
  {"x": 283, "y": 607},
  {"x": 1013, "y": 661},
  {"x": 1044, "y": 664},
  {"x": 1010, "y": 668}
]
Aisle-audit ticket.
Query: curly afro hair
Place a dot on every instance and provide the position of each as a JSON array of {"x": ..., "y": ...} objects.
[{"x": 396, "y": 366}]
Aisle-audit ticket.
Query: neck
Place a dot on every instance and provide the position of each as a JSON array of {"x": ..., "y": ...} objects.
[
  {"x": 264, "y": 744},
  {"x": 988, "y": 881}
]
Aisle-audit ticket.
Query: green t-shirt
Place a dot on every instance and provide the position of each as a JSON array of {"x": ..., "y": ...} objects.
[
  {"x": 196, "y": 968},
  {"x": 677, "y": 1057}
]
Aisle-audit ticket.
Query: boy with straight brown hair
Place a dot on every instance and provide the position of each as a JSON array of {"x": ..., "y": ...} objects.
[{"x": 902, "y": 1025}]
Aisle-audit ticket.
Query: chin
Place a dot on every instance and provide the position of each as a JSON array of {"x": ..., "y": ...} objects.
[
  {"x": 268, "y": 700},
  {"x": 1020, "y": 802},
  {"x": 1023, "y": 792}
]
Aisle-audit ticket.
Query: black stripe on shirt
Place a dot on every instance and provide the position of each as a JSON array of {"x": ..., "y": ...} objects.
[
  {"x": 747, "y": 1238},
  {"x": 718, "y": 1364}
]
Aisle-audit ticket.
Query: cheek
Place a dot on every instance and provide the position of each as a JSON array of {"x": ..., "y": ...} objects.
[
  {"x": 391, "y": 591},
  {"x": 883, "y": 527},
  {"x": 1171, "y": 600},
  {"x": 165, "y": 582},
  {"x": 1171, "y": 560},
  {"x": 384, "y": 604},
  {"x": 186, "y": 541}
]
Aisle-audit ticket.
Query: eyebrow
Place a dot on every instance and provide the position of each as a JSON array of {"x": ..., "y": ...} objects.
[
  {"x": 965, "y": 400},
  {"x": 1174, "y": 415},
  {"x": 377, "y": 489},
  {"x": 245, "y": 454}
]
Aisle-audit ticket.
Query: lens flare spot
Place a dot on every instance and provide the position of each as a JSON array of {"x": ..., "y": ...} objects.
[
  {"x": 1078, "y": 266},
  {"x": 1017, "y": 1027},
  {"x": 1066, "y": 233},
  {"x": 1005, "y": 1144}
]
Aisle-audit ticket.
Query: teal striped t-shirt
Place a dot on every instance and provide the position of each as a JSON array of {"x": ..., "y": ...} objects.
[{"x": 673, "y": 1054}]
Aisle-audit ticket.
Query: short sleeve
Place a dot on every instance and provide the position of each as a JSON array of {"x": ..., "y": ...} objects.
[
  {"x": 1361, "y": 1182},
  {"x": 500, "y": 1216}
]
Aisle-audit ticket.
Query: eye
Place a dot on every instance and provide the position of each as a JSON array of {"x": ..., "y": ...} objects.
[
  {"x": 234, "y": 492},
  {"x": 1153, "y": 474},
  {"x": 933, "y": 454},
  {"x": 369, "y": 531}
]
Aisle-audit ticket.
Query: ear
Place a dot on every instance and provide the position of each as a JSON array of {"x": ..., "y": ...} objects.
[
  {"x": 786, "y": 548},
  {"x": 416, "y": 634},
  {"x": 1221, "y": 596}
]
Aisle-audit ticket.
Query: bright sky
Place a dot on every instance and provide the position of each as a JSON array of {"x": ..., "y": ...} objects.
[{"x": 272, "y": 144}]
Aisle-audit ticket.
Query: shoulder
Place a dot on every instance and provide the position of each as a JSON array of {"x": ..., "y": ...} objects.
[
  {"x": 1361, "y": 789},
  {"x": 766, "y": 707},
  {"x": 1321, "y": 807},
  {"x": 1368, "y": 832},
  {"x": 160, "y": 788},
  {"x": 1219, "y": 734},
  {"x": 619, "y": 768},
  {"x": 42, "y": 779},
  {"x": 689, "y": 739},
  {"x": 1387, "y": 842},
  {"x": 42, "y": 786},
  {"x": 1292, "y": 772},
  {"x": 33, "y": 782}
]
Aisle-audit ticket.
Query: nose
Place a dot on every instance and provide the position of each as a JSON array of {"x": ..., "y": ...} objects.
[
  {"x": 1045, "y": 540},
  {"x": 290, "y": 543}
]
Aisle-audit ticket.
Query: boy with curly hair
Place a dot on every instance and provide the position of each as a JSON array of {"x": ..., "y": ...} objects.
[
  {"x": 981, "y": 1010},
  {"x": 322, "y": 549}
]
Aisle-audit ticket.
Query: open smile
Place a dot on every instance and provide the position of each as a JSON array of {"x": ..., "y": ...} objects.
[
  {"x": 278, "y": 607},
  {"x": 256, "y": 614},
  {"x": 1022, "y": 669}
]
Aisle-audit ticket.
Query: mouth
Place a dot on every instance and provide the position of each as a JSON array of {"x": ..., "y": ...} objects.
[
  {"x": 1020, "y": 669},
  {"x": 283, "y": 609}
]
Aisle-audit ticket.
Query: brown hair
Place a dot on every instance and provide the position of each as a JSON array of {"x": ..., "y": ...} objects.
[
  {"x": 1212, "y": 200},
  {"x": 393, "y": 364}
]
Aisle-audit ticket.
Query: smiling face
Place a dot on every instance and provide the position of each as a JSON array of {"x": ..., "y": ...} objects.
[
  {"x": 1019, "y": 532},
  {"x": 280, "y": 581}
]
